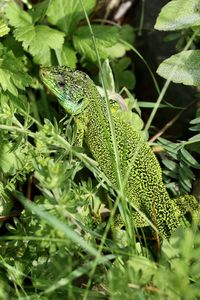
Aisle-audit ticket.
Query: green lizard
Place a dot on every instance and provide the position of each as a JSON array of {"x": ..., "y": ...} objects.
[{"x": 144, "y": 188}]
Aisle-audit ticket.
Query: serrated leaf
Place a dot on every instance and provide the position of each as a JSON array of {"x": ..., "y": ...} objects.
[
  {"x": 179, "y": 14},
  {"x": 105, "y": 37},
  {"x": 10, "y": 43},
  {"x": 127, "y": 34},
  {"x": 66, "y": 56},
  {"x": 182, "y": 68},
  {"x": 12, "y": 72},
  {"x": 39, "y": 10},
  {"x": 8, "y": 160},
  {"x": 6, "y": 84},
  {"x": 4, "y": 29},
  {"x": 16, "y": 16},
  {"x": 68, "y": 13},
  {"x": 39, "y": 40}
]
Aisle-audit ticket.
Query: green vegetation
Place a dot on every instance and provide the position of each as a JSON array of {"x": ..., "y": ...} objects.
[{"x": 57, "y": 239}]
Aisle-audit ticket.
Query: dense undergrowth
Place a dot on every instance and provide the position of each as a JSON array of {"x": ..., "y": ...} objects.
[{"x": 55, "y": 204}]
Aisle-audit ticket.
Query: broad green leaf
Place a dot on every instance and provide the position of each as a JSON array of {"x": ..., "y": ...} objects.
[
  {"x": 40, "y": 10},
  {"x": 16, "y": 16},
  {"x": 67, "y": 14},
  {"x": 10, "y": 160},
  {"x": 12, "y": 72},
  {"x": 127, "y": 79},
  {"x": 183, "y": 67},
  {"x": 66, "y": 56},
  {"x": 10, "y": 43},
  {"x": 131, "y": 117},
  {"x": 127, "y": 34},
  {"x": 105, "y": 38},
  {"x": 117, "y": 50},
  {"x": 39, "y": 40},
  {"x": 123, "y": 77},
  {"x": 123, "y": 64},
  {"x": 134, "y": 119},
  {"x": 4, "y": 29},
  {"x": 6, "y": 81},
  {"x": 179, "y": 14}
]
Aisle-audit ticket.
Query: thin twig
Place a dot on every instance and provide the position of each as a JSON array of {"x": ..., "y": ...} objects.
[{"x": 170, "y": 123}]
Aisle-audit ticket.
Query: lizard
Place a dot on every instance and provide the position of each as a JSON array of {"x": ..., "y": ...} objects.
[{"x": 144, "y": 187}]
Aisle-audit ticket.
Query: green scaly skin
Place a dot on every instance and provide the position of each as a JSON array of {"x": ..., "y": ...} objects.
[{"x": 77, "y": 93}]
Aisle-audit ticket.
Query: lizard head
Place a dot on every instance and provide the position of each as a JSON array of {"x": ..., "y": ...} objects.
[{"x": 71, "y": 87}]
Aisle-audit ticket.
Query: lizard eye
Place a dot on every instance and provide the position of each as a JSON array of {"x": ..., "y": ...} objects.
[
  {"x": 80, "y": 101},
  {"x": 61, "y": 81},
  {"x": 61, "y": 84}
]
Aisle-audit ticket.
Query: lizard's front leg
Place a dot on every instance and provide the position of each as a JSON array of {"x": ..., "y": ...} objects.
[{"x": 81, "y": 126}]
